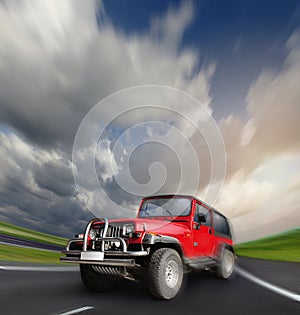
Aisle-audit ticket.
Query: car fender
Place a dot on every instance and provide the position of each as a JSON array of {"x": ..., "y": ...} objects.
[
  {"x": 158, "y": 241},
  {"x": 220, "y": 249},
  {"x": 152, "y": 239}
]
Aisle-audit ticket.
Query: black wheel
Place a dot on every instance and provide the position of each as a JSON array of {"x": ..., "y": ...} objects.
[
  {"x": 225, "y": 266},
  {"x": 165, "y": 274},
  {"x": 95, "y": 282}
]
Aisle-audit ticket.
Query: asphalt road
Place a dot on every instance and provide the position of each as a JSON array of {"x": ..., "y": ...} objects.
[
  {"x": 283, "y": 274},
  {"x": 36, "y": 292},
  {"x": 12, "y": 240}
]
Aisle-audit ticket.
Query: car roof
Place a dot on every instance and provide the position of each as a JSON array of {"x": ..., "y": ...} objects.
[
  {"x": 172, "y": 196},
  {"x": 185, "y": 196}
]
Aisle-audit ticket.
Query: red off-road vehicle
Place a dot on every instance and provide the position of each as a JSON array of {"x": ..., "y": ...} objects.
[{"x": 172, "y": 235}]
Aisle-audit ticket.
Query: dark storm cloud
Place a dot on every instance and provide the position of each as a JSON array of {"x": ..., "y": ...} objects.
[
  {"x": 60, "y": 217},
  {"x": 56, "y": 67},
  {"x": 37, "y": 189},
  {"x": 56, "y": 62},
  {"x": 55, "y": 177}
]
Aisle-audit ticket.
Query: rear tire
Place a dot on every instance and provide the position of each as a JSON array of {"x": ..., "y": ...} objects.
[
  {"x": 165, "y": 274},
  {"x": 95, "y": 282},
  {"x": 225, "y": 266}
]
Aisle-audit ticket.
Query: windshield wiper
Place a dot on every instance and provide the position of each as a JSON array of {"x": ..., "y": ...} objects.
[
  {"x": 147, "y": 213},
  {"x": 169, "y": 212}
]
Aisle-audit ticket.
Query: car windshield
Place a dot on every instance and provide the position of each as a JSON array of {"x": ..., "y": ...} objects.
[{"x": 159, "y": 207}]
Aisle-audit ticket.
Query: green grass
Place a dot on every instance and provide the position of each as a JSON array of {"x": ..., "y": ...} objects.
[
  {"x": 13, "y": 230},
  {"x": 20, "y": 254},
  {"x": 280, "y": 247}
]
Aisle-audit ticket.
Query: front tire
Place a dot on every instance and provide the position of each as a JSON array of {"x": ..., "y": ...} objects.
[
  {"x": 165, "y": 274},
  {"x": 95, "y": 282},
  {"x": 225, "y": 266}
]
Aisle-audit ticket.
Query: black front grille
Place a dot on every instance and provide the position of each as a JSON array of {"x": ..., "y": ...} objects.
[{"x": 114, "y": 231}]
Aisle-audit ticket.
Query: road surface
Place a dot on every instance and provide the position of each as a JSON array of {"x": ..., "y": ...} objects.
[{"x": 61, "y": 292}]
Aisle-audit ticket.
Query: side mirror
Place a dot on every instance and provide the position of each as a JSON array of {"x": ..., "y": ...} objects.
[{"x": 201, "y": 217}]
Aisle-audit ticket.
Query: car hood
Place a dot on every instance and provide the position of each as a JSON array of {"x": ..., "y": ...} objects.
[{"x": 158, "y": 226}]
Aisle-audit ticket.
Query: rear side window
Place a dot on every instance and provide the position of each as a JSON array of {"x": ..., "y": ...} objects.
[{"x": 221, "y": 225}]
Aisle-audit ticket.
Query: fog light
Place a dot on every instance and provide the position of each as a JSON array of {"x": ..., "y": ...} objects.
[{"x": 93, "y": 234}]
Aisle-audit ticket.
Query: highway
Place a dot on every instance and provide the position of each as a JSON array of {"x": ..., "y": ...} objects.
[{"x": 38, "y": 291}]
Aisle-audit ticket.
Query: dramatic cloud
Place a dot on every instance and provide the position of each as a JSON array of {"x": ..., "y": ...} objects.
[
  {"x": 37, "y": 189},
  {"x": 273, "y": 109},
  {"x": 57, "y": 62},
  {"x": 59, "y": 59},
  {"x": 266, "y": 142}
]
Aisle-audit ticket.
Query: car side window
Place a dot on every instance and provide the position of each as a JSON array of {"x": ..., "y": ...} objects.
[
  {"x": 206, "y": 212},
  {"x": 221, "y": 225}
]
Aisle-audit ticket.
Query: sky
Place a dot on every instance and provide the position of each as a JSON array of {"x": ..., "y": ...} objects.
[{"x": 102, "y": 103}]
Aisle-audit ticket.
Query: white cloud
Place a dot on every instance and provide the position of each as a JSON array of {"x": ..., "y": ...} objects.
[
  {"x": 106, "y": 159},
  {"x": 263, "y": 153},
  {"x": 56, "y": 62},
  {"x": 72, "y": 63},
  {"x": 171, "y": 26},
  {"x": 273, "y": 105},
  {"x": 241, "y": 195},
  {"x": 248, "y": 132},
  {"x": 265, "y": 201},
  {"x": 272, "y": 127}
]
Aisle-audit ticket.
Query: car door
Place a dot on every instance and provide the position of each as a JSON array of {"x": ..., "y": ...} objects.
[{"x": 203, "y": 233}]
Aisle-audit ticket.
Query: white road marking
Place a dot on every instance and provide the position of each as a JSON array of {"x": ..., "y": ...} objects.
[
  {"x": 289, "y": 294},
  {"x": 39, "y": 268},
  {"x": 78, "y": 310}
]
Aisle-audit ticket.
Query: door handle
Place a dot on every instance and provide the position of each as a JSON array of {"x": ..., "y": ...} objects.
[{"x": 209, "y": 231}]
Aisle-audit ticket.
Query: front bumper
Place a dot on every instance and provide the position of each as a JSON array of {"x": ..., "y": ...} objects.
[
  {"x": 105, "y": 262},
  {"x": 109, "y": 258}
]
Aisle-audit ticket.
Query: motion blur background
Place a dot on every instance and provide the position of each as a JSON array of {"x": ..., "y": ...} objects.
[{"x": 240, "y": 59}]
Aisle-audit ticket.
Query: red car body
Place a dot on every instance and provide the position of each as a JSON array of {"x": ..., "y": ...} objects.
[{"x": 181, "y": 231}]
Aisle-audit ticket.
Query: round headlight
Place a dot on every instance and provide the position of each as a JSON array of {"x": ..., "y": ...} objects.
[
  {"x": 129, "y": 228},
  {"x": 93, "y": 234}
]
